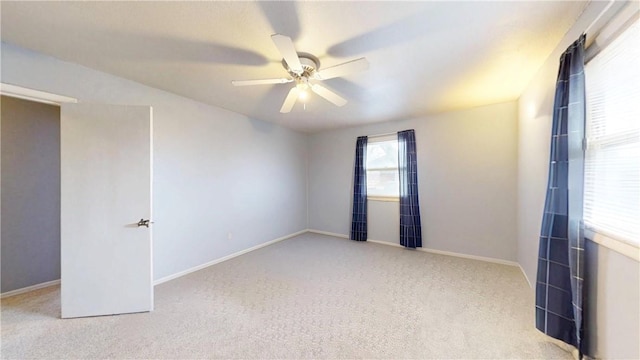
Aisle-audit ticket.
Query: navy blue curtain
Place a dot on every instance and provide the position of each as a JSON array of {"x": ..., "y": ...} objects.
[
  {"x": 560, "y": 275},
  {"x": 359, "y": 216},
  {"x": 410, "y": 229}
]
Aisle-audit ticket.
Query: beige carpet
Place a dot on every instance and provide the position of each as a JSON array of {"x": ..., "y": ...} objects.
[{"x": 312, "y": 296}]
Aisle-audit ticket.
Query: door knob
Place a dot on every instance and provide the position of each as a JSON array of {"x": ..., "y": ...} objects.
[{"x": 143, "y": 222}]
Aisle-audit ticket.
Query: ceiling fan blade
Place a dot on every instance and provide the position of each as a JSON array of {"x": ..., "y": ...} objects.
[
  {"x": 260, "y": 82},
  {"x": 288, "y": 52},
  {"x": 343, "y": 69},
  {"x": 328, "y": 94},
  {"x": 290, "y": 100}
]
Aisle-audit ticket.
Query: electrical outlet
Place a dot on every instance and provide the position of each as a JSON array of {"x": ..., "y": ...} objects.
[{"x": 230, "y": 236}]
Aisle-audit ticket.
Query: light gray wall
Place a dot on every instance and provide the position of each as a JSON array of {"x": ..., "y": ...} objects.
[
  {"x": 385, "y": 220},
  {"x": 612, "y": 279},
  {"x": 30, "y": 193},
  {"x": 215, "y": 172},
  {"x": 612, "y": 297},
  {"x": 467, "y": 167}
]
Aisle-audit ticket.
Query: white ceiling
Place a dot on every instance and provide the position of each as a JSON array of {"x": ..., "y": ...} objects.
[{"x": 425, "y": 57}]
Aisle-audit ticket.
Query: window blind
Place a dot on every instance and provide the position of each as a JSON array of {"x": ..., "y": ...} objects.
[
  {"x": 612, "y": 157},
  {"x": 382, "y": 167}
]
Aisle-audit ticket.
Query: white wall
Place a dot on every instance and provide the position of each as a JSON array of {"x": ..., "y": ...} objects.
[
  {"x": 612, "y": 281},
  {"x": 215, "y": 171},
  {"x": 467, "y": 181}
]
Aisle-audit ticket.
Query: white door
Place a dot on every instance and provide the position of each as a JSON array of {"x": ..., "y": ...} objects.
[{"x": 106, "y": 173}]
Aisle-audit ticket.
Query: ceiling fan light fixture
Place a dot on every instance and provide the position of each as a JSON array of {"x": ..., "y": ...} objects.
[
  {"x": 304, "y": 70},
  {"x": 303, "y": 86}
]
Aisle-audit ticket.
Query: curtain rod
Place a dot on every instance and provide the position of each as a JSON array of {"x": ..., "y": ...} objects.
[
  {"x": 607, "y": 31},
  {"x": 606, "y": 8},
  {"x": 380, "y": 135}
]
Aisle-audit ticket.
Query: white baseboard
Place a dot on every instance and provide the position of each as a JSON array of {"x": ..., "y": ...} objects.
[
  {"x": 29, "y": 288},
  {"x": 387, "y": 243},
  {"x": 225, "y": 258},
  {"x": 525, "y": 276},
  {"x": 327, "y": 233},
  {"x": 236, "y": 254},
  {"x": 433, "y": 251},
  {"x": 472, "y": 257}
]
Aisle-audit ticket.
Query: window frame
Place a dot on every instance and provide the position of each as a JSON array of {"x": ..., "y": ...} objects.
[
  {"x": 375, "y": 139},
  {"x": 617, "y": 24}
]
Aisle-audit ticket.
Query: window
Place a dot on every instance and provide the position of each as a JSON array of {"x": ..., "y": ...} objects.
[
  {"x": 382, "y": 168},
  {"x": 612, "y": 159}
]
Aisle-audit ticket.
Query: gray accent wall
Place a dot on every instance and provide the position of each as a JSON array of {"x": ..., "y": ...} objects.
[
  {"x": 467, "y": 174},
  {"x": 30, "y": 195},
  {"x": 222, "y": 182}
]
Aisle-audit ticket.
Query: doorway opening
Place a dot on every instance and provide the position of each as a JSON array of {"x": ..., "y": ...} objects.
[{"x": 30, "y": 197}]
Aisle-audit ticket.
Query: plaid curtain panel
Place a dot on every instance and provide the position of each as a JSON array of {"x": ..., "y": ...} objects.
[
  {"x": 410, "y": 228},
  {"x": 561, "y": 254},
  {"x": 359, "y": 215}
]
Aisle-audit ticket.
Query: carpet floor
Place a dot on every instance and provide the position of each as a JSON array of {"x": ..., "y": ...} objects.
[{"x": 312, "y": 296}]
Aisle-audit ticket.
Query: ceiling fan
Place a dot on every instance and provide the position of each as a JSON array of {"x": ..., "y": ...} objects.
[{"x": 304, "y": 70}]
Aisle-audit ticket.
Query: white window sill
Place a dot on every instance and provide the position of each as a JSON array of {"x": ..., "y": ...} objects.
[
  {"x": 383, "y": 198},
  {"x": 627, "y": 249}
]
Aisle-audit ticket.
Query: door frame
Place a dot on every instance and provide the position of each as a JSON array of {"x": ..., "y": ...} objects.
[
  {"x": 24, "y": 93},
  {"x": 34, "y": 95},
  {"x": 40, "y": 96}
]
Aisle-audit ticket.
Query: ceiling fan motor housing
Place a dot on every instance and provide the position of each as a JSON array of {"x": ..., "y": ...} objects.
[
  {"x": 303, "y": 67},
  {"x": 310, "y": 64}
]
